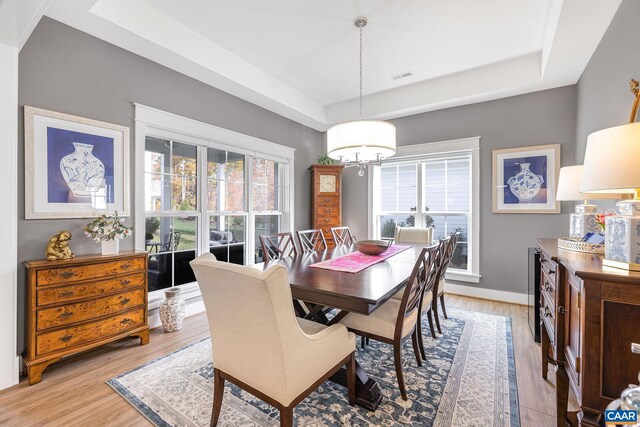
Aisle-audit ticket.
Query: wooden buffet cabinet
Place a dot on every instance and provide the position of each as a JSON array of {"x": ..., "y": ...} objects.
[
  {"x": 326, "y": 199},
  {"x": 591, "y": 329},
  {"x": 79, "y": 304}
]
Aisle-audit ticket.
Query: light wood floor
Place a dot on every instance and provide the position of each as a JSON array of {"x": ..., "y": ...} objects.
[{"x": 74, "y": 393}]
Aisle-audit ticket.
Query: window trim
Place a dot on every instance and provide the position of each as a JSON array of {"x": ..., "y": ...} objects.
[
  {"x": 154, "y": 122},
  {"x": 416, "y": 152}
]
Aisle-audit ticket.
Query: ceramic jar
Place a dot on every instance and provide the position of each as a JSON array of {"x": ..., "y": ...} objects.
[
  {"x": 172, "y": 310},
  {"x": 110, "y": 247},
  {"x": 82, "y": 171},
  {"x": 525, "y": 184}
]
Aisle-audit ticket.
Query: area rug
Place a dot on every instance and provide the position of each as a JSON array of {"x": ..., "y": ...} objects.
[{"x": 469, "y": 379}]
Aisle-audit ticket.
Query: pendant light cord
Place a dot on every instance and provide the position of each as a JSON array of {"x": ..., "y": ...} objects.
[{"x": 361, "y": 72}]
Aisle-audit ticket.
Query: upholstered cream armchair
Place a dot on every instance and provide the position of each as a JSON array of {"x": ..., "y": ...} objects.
[
  {"x": 258, "y": 343},
  {"x": 413, "y": 235}
]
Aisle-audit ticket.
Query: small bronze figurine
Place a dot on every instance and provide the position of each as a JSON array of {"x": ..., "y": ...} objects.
[{"x": 58, "y": 246}]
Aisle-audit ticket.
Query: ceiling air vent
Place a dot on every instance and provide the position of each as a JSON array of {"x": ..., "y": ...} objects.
[{"x": 402, "y": 75}]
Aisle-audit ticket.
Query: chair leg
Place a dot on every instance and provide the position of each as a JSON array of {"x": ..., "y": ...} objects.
[
  {"x": 286, "y": 417},
  {"x": 435, "y": 315},
  {"x": 367, "y": 340},
  {"x": 218, "y": 393},
  {"x": 433, "y": 331},
  {"x": 416, "y": 350},
  {"x": 362, "y": 339},
  {"x": 444, "y": 308},
  {"x": 420, "y": 342},
  {"x": 351, "y": 379},
  {"x": 397, "y": 355}
]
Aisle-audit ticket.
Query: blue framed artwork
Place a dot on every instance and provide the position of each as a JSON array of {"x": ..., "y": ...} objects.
[
  {"x": 74, "y": 167},
  {"x": 525, "y": 179}
]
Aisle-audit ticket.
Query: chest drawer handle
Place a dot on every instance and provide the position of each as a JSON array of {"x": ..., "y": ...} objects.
[
  {"x": 327, "y": 220},
  {"x": 65, "y": 293},
  {"x": 125, "y": 321},
  {"x": 550, "y": 271},
  {"x": 125, "y": 301},
  {"x": 562, "y": 310},
  {"x": 125, "y": 282},
  {"x": 125, "y": 266},
  {"x": 328, "y": 209},
  {"x": 547, "y": 286},
  {"x": 66, "y": 315},
  {"x": 547, "y": 312},
  {"x": 327, "y": 200},
  {"x": 67, "y": 274},
  {"x": 65, "y": 338}
]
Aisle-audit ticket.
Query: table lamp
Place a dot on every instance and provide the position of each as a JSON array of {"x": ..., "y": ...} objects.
[
  {"x": 612, "y": 165},
  {"x": 583, "y": 220}
]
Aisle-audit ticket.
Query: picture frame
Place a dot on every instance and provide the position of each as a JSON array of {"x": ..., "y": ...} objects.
[
  {"x": 74, "y": 167},
  {"x": 525, "y": 179}
]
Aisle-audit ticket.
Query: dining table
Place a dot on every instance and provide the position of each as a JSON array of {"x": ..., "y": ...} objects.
[{"x": 326, "y": 296}]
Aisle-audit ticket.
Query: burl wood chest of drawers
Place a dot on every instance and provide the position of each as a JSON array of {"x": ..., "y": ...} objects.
[
  {"x": 591, "y": 329},
  {"x": 79, "y": 304}
]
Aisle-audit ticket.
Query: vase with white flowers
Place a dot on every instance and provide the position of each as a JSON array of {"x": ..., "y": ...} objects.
[{"x": 109, "y": 230}]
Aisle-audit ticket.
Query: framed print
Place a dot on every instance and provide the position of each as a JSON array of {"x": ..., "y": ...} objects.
[
  {"x": 525, "y": 179},
  {"x": 74, "y": 167}
]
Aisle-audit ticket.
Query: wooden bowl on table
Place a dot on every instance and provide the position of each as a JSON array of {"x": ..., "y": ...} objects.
[{"x": 373, "y": 247}]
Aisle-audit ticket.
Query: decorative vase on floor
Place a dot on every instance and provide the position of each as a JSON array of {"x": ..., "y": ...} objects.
[
  {"x": 172, "y": 310},
  {"x": 111, "y": 247}
]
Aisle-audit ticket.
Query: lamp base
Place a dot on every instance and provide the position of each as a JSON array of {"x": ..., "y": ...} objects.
[
  {"x": 583, "y": 221},
  {"x": 629, "y": 266},
  {"x": 622, "y": 237}
]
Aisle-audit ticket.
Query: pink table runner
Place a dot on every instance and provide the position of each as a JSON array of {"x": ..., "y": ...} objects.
[{"x": 357, "y": 261}]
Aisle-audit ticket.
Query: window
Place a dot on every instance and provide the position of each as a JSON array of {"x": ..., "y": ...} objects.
[
  {"x": 203, "y": 196},
  {"x": 431, "y": 185}
]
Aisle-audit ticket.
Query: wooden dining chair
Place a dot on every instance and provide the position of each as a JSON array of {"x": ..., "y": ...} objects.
[
  {"x": 311, "y": 241},
  {"x": 342, "y": 236},
  {"x": 440, "y": 285},
  {"x": 276, "y": 246},
  {"x": 262, "y": 347},
  {"x": 395, "y": 321}
]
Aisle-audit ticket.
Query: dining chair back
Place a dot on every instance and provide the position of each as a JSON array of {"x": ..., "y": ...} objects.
[
  {"x": 258, "y": 343},
  {"x": 452, "y": 242},
  {"x": 311, "y": 241},
  {"x": 276, "y": 246},
  {"x": 414, "y": 235},
  {"x": 342, "y": 236}
]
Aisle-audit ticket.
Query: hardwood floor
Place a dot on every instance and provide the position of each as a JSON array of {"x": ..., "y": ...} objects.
[{"x": 74, "y": 393}]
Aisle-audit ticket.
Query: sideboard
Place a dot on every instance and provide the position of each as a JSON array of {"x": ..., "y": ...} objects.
[
  {"x": 591, "y": 329},
  {"x": 78, "y": 304}
]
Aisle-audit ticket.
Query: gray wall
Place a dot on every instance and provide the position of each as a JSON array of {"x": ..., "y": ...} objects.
[
  {"x": 604, "y": 99},
  {"x": 546, "y": 117},
  {"x": 65, "y": 70}
]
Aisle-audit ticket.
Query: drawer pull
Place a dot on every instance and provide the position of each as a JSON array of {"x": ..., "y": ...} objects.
[
  {"x": 562, "y": 310},
  {"x": 66, "y": 274},
  {"x": 547, "y": 286},
  {"x": 65, "y": 293},
  {"x": 550, "y": 271},
  {"x": 125, "y": 321},
  {"x": 125, "y": 266},
  {"x": 65, "y": 338},
  {"x": 66, "y": 315},
  {"x": 327, "y": 220},
  {"x": 547, "y": 312},
  {"x": 125, "y": 282},
  {"x": 125, "y": 301},
  {"x": 635, "y": 348},
  {"x": 327, "y": 200}
]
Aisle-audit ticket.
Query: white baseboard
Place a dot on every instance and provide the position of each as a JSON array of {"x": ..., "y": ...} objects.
[
  {"x": 191, "y": 309},
  {"x": 490, "y": 294}
]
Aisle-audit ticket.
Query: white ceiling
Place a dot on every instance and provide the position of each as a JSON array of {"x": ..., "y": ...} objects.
[{"x": 299, "y": 58}]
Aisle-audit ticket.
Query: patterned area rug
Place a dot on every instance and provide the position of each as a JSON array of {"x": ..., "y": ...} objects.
[{"x": 468, "y": 380}]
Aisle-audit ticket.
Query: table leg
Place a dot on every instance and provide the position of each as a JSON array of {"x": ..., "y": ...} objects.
[{"x": 368, "y": 393}]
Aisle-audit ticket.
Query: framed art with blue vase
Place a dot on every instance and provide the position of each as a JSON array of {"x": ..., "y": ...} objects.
[
  {"x": 525, "y": 179},
  {"x": 74, "y": 167}
]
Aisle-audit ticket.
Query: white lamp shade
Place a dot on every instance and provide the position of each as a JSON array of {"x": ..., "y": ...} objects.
[
  {"x": 569, "y": 186},
  {"x": 369, "y": 139},
  {"x": 612, "y": 160}
]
